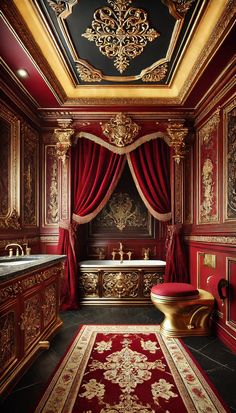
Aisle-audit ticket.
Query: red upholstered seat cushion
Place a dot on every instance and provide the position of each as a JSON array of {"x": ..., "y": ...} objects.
[{"x": 174, "y": 290}]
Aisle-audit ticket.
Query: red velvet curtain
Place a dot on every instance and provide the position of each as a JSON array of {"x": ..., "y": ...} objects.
[
  {"x": 95, "y": 173},
  {"x": 150, "y": 167},
  {"x": 176, "y": 264}
]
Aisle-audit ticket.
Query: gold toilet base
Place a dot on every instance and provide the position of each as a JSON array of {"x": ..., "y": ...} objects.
[{"x": 185, "y": 317}]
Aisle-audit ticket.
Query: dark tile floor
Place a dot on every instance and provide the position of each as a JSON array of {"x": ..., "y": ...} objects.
[{"x": 218, "y": 362}]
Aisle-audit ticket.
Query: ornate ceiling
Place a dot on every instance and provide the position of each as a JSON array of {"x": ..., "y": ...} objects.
[{"x": 102, "y": 52}]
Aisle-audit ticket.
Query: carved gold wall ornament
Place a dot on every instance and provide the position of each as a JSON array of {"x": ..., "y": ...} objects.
[
  {"x": 120, "y": 32},
  {"x": 63, "y": 135},
  {"x": 62, "y": 7},
  {"x": 120, "y": 130},
  {"x": 122, "y": 211},
  {"x": 88, "y": 74},
  {"x": 177, "y": 133},
  {"x": 156, "y": 74},
  {"x": 178, "y": 8},
  {"x": 230, "y": 156}
]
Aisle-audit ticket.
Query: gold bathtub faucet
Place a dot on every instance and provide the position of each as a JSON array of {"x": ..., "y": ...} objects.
[{"x": 121, "y": 253}]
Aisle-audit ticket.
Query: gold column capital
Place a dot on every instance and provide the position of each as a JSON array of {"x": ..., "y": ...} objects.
[
  {"x": 63, "y": 134},
  {"x": 177, "y": 133}
]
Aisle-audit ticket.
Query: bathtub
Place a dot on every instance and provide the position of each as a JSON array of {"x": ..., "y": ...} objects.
[{"x": 115, "y": 282}]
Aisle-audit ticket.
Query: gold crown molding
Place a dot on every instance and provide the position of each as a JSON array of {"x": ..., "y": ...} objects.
[
  {"x": 177, "y": 133},
  {"x": 126, "y": 149},
  {"x": 120, "y": 130},
  {"x": 211, "y": 239},
  {"x": 178, "y": 8},
  {"x": 120, "y": 32},
  {"x": 14, "y": 19},
  {"x": 127, "y": 101},
  {"x": 221, "y": 29}
]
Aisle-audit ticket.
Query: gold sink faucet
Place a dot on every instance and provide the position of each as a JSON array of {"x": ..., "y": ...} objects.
[{"x": 18, "y": 247}]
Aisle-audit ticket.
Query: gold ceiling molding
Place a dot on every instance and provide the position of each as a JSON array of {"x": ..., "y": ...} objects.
[
  {"x": 177, "y": 133},
  {"x": 88, "y": 73},
  {"x": 120, "y": 32},
  {"x": 125, "y": 149},
  {"x": 62, "y": 8},
  {"x": 120, "y": 130},
  {"x": 63, "y": 135}
]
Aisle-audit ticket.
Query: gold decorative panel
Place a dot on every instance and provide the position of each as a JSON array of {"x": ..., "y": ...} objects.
[
  {"x": 120, "y": 130},
  {"x": 230, "y": 164},
  {"x": 50, "y": 303},
  {"x": 30, "y": 173},
  {"x": 51, "y": 208},
  {"x": 150, "y": 279},
  {"x": 7, "y": 339},
  {"x": 120, "y": 32},
  {"x": 31, "y": 319},
  {"x": 120, "y": 284},
  {"x": 10, "y": 170},
  {"x": 208, "y": 171},
  {"x": 88, "y": 284}
]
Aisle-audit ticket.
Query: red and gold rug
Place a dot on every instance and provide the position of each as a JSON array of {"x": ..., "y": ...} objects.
[{"x": 128, "y": 369}]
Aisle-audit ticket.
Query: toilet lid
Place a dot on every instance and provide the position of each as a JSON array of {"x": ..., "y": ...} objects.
[{"x": 175, "y": 290}]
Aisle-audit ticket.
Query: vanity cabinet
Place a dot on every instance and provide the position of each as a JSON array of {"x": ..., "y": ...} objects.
[{"x": 29, "y": 308}]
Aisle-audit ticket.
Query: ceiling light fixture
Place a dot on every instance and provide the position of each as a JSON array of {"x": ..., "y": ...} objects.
[{"x": 22, "y": 73}]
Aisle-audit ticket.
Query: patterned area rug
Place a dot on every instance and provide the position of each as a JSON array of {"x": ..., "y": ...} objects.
[{"x": 128, "y": 369}]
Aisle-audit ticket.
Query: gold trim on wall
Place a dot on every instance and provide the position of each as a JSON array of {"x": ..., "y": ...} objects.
[
  {"x": 229, "y": 164},
  {"x": 11, "y": 220}
]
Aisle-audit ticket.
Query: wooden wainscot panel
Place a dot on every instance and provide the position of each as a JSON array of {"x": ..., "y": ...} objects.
[
  {"x": 231, "y": 301},
  {"x": 229, "y": 161},
  {"x": 208, "y": 208}
]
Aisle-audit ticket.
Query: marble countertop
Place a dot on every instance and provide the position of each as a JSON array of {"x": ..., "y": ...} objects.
[{"x": 14, "y": 266}]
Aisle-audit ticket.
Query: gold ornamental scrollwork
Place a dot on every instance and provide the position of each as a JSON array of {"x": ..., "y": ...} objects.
[
  {"x": 62, "y": 7},
  {"x": 120, "y": 130},
  {"x": 178, "y": 8},
  {"x": 63, "y": 135},
  {"x": 88, "y": 74},
  {"x": 157, "y": 74},
  {"x": 177, "y": 133},
  {"x": 120, "y": 32}
]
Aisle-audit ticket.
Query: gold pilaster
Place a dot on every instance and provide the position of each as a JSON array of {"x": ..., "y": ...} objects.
[
  {"x": 63, "y": 134},
  {"x": 177, "y": 133}
]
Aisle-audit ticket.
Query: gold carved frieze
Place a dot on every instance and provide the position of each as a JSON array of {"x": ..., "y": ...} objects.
[
  {"x": 7, "y": 339},
  {"x": 30, "y": 167},
  {"x": 120, "y": 130},
  {"x": 120, "y": 284},
  {"x": 229, "y": 160},
  {"x": 208, "y": 171},
  {"x": 88, "y": 284},
  {"x": 121, "y": 32},
  {"x": 51, "y": 204},
  {"x": 10, "y": 170},
  {"x": 123, "y": 212},
  {"x": 211, "y": 239}
]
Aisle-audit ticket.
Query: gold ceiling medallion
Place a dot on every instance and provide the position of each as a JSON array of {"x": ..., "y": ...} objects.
[
  {"x": 177, "y": 134},
  {"x": 88, "y": 74},
  {"x": 178, "y": 8},
  {"x": 120, "y": 32},
  {"x": 120, "y": 130},
  {"x": 156, "y": 74},
  {"x": 63, "y": 134}
]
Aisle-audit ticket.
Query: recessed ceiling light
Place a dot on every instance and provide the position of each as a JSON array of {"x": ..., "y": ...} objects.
[{"x": 22, "y": 73}]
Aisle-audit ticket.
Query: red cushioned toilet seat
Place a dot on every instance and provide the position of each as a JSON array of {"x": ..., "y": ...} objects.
[{"x": 175, "y": 291}]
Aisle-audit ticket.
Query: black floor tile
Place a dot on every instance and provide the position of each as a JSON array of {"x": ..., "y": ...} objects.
[{"x": 217, "y": 361}]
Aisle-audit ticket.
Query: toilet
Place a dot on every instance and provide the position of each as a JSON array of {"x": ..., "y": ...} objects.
[{"x": 187, "y": 310}]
